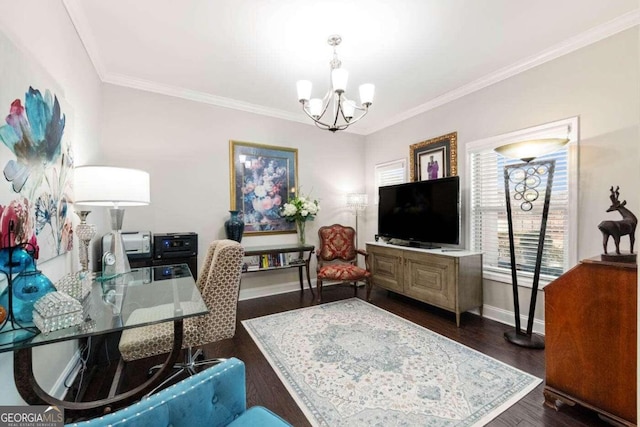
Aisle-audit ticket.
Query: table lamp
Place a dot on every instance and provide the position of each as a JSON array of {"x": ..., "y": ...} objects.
[{"x": 115, "y": 187}]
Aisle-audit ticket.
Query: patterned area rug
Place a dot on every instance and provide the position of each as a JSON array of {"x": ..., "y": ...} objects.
[{"x": 349, "y": 363}]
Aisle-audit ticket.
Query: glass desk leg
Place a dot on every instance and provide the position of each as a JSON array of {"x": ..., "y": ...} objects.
[{"x": 33, "y": 394}]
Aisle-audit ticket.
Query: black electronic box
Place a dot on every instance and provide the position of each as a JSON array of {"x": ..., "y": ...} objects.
[{"x": 175, "y": 245}]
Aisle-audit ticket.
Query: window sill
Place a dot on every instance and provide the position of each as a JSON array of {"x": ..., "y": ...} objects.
[{"x": 525, "y": 280}]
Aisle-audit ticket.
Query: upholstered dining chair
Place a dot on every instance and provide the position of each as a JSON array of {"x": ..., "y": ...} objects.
[
  {"x": 219, "y": 284},
  {"x": 337, "y": 257}
]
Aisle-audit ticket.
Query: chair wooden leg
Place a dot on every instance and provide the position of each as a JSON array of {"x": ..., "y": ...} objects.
[
  {"x": 319, "y": 287},
  {"x": 369, "y": 286},
  {"x": 355, "y": 289}
]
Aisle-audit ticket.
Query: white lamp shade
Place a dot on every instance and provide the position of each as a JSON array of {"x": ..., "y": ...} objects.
[
  {"x": 111, "y": 186},
  {"x": 315, "y": 107},
  {"x": 339, "y": 78},
  {"x": 357, "y": 200},
  {"x": 529, "y": 150},
  {"x": 348, "y": 109},
  {"x": 366, "y": 93},
  {"x": 304, "y": 90}
]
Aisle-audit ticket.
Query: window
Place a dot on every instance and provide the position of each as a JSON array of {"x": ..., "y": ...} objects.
[
  {"x": 390, "y": 173},
  {"x": 486, "y": 208}
]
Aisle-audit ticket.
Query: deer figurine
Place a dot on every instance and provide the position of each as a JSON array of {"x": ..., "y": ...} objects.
[{"x": 627, "y": 225}]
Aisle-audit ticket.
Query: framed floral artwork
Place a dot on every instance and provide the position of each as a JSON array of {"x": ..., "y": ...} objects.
[
  {"x": 36, "y": 158},
  {"x": 434, "y": 158},
  {"x": 262, "y": 179}
]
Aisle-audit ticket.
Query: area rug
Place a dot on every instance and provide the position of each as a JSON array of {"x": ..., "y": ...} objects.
[{"x": 350, "y": 363}]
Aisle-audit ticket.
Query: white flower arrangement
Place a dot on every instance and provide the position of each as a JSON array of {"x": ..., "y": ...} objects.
[{"x": 300, "y": 208}]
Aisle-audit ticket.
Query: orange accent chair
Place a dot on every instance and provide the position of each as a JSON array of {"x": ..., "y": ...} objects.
[{"x": 337, "y": 258}]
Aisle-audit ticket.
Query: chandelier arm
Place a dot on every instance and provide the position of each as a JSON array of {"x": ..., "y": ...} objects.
[
  {"x": 366, "y": 110},
  {"x": 318, "y": 122},
  {"x": 338, "y": 111},
  {"x": 321, "y": 125}
]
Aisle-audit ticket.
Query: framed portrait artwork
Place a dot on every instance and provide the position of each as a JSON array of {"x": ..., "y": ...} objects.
[
  {"x": 434, "y": 158},
  {"x": 262, "y": 179}
]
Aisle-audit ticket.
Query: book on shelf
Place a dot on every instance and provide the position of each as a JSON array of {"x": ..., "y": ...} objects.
[{"x": 274, "y": 260}]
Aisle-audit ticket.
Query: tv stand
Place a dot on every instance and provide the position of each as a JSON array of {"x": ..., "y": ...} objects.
[
  {"x": 413, "y": 244},
  {"x": 451, "y": 280},
  {"x": 422, "y": 245}
]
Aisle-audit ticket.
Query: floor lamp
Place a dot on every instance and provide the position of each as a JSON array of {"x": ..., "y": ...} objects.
[
  {"x": 114, "y": 187},
  {"x": 357, "y": 202},
  {"x": 525, "y": 180}
]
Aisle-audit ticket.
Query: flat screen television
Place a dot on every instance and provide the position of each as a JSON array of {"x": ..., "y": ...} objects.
[{"x": 422, "y": 213}]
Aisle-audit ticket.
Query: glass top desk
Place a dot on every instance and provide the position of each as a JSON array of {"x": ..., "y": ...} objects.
[{"x": 166, "y": 293}]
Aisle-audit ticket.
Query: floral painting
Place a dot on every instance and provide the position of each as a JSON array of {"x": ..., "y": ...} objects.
[
  {"x": 263, "y": 178},
  {"x": 37, "y": 166}
]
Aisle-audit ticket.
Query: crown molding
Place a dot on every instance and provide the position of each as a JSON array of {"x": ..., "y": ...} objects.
[
  {"x": 81, "y": 24},
  {"x": 596, "y": 34},
  {"x": 572, "y": 44},
  {"x": 205, "y": 98}
]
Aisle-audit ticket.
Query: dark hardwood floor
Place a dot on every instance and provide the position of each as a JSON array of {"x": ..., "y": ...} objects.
[{"x": 265, "y": 388}]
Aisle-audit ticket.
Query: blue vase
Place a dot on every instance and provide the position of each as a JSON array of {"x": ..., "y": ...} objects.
[
  {"x": 20, "y": 261},
  {"x": 28, "y": 287},
  {"x": 234, "y": 226}
]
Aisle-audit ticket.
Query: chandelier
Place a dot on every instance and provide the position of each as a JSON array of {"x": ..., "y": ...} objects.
[{"x": 340, "y": 111}]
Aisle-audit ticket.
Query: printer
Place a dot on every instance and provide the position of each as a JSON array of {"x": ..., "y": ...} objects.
[
  {"x": 137, "y": 244},
  {"x": 145, "y": 249}
]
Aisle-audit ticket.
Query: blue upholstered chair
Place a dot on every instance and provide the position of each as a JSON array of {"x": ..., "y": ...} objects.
[{"x": 214, "y": 397}]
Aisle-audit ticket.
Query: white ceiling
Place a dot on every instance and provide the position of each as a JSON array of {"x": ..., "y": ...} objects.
[{"x": 248, "y": 54}]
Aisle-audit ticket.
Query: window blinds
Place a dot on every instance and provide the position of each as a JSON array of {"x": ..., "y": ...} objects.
[
  {"x": 488, "y": 217},
  {"x": 390, "y": 173}
]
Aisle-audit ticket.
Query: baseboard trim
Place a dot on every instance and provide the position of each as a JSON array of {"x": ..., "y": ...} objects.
[
  {"x": 59, "y": 390},
  {"x": 269, "y": 290},
  {"x": 507, "y": 317}
]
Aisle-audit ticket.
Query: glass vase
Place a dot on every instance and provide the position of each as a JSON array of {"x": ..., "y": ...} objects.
[
  {"x": 234, "y": 226},
  {"x": 300, "y": 229},
  {"x": 15, "y": 260}
]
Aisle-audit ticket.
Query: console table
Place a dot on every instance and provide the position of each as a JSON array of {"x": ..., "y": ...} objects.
[
  {"x": 447, "y": 278},
  {"x": 284, "y": 249}
]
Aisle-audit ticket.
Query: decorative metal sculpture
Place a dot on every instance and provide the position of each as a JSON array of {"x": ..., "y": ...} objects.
[{"x": 617, "y": 229}]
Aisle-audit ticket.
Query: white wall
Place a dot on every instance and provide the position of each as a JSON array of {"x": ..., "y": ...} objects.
[
  {"x": 599, "y": 83},
  {"x": 42, "y": 33},
  {"x": 184, "y": 146}
]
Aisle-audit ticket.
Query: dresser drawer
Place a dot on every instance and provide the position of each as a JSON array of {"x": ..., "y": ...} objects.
[
  {"x": 432, "y": 279},
  {"x": 386, "y": 268}
]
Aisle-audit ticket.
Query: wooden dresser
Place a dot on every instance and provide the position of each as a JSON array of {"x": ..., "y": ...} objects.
[{"x": 591, "y": 339}]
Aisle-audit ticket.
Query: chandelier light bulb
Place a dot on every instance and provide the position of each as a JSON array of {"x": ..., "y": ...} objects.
[
  {"x": 304, "y": 90},
  {"x": 315, "y": 107},
  {"x": 348, "y": 108},
  {"x": 339, "y": 78},
  {"x": 367, "y": 91}
]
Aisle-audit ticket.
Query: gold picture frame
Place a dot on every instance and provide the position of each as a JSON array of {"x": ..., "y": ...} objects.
[
  {"x": 262, "y": 179},
  {"x": 434, "y": 158}
]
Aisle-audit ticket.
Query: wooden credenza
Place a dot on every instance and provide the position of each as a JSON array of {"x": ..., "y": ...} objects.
[
  {"x": 451, "y": 280},
  {"x": 591, "y": 339}
]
